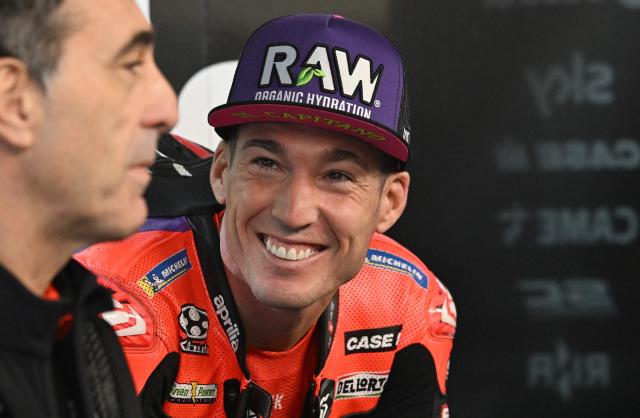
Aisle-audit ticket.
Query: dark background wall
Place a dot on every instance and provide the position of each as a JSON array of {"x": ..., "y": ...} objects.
[{"x": 526, "y": 161}]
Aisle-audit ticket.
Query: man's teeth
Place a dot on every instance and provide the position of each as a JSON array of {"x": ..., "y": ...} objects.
[
  {"x": 291, "y": 254},
  {"x": 281, "y": 252}
]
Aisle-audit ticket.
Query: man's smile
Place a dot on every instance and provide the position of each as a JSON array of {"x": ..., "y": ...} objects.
[{"x": 289, "y": 250}]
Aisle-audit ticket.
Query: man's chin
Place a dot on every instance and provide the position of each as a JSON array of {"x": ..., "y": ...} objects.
[
  {"x": 286, "y": 296},
  {"x": 117, "y": 227},
  {"x": 288, "y": 301}
]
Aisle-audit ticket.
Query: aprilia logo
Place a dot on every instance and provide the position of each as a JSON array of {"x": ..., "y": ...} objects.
[
  {"x": 230, "y": 327},
  {"x": 372, "y": 340},
  {"x": 351, "y": 79}
]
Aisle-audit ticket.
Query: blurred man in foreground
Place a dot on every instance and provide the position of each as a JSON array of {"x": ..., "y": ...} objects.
[{"x": 81, "y": 106}]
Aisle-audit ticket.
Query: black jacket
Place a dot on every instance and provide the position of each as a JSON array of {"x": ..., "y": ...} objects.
[{"x": 56, "y": 371}]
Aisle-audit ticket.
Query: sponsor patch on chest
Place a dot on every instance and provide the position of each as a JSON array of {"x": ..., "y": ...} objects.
[
  {"x": 194, "y": 323},
  {"x": 392, "y": 262},
  {"x": 193, "y": 392},
  {"x": 165, "y": 273},
  {"x": 361, "y": 385},
  {"x": 374, "y": 340}
]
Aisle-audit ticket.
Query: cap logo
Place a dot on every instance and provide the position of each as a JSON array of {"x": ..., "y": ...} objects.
[
  {"x": 325, "y": 71},
  {"x": 353, "y": 78}
]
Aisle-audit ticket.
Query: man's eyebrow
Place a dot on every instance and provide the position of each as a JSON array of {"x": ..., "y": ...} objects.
[
  {"x": 338, "y": 155},
  {"x": 266, "y": 144},
  {"x": 141, "y": 39}
]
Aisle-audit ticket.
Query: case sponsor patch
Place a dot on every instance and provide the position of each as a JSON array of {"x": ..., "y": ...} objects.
[
  {"x": 193, "y": 392},
  {"x": 165, "y": 273},
  {"x": 388, "y": 261},
  {"x": 374, "y": 340},
  {"x": 361, "y": 385}
]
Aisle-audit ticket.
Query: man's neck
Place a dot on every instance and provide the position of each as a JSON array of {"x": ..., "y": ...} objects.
[
  {"x": 31, "y": 255},
  {"x": 269, "y": 328}
]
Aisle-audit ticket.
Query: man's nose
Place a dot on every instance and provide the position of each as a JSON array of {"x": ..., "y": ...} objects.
[
  {"x": 296, "y": 205},
  {"x": 161, "y": 112}
]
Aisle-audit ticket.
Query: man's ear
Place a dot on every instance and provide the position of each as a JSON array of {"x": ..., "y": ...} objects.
[
  {"x": 394, "y": 199},
  {"x": 19, "y": 104},
  {"x": 221, "y": 161}
]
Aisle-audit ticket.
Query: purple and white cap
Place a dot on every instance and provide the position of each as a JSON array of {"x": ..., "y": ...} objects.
[{"x": 325, "y": 71}]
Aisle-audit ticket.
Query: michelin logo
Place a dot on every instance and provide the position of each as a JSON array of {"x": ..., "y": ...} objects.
[
  {"x": 381, "y": 259},
  {"x": 361, "y": 385},
  {"x": 165, "y": 273}
]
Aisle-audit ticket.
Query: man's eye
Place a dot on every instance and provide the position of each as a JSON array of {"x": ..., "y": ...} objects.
[
  {"x": 265, "y": 163},
  {"x": 134, "y": 66},
  {"x": 338, "y": 176}
]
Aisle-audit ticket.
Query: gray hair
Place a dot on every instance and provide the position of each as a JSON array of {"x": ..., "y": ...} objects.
[{"x": 33, "y": 32}]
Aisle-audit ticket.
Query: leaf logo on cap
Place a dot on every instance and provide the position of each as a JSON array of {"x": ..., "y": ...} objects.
[{"x": 307, "y": 74}]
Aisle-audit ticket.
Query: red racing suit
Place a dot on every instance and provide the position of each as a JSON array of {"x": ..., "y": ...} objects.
[{"x": 383, "y": 342}]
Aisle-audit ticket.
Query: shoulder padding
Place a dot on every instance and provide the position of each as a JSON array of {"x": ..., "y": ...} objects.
[{"x": 180, "y": 179}]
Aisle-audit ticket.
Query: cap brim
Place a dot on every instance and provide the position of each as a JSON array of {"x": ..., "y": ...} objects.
[{"x": 250, "y": 112}]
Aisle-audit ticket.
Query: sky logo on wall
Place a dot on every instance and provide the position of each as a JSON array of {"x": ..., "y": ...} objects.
[
  {"x": 387, "y": 261},
  {"x": 578, "y": 82},
  {"x": 165, "y": 273}
]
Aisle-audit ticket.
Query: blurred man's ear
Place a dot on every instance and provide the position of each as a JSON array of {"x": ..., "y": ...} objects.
[
  {"x": 19, "y": 104},
  {"x": 395, "y": 192},
  {"x": 221, "y": 160}
]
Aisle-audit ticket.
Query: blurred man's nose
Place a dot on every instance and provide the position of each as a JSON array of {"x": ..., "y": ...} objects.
[{"x": 161, "y": 112}]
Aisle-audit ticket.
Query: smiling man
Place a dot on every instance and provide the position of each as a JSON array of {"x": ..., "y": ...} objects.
[
  {"x": 82, "y": 104},
  {"x": 290, "y": 302}
]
